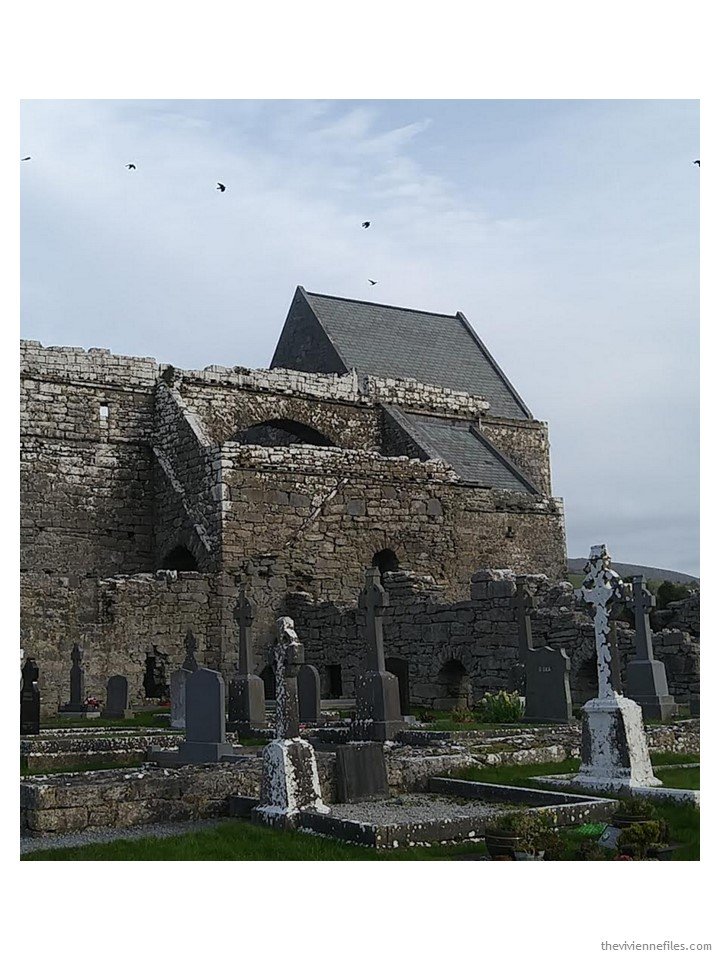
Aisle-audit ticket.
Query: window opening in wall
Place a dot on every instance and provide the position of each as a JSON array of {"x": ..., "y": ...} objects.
[
  {"x": 179, "y": 558},
  {"x": 334, "y": 678},
  {"x": 386, "y": 561},
  {"x": 104, "y": 411},
  {"x": 267, "y": 676}
]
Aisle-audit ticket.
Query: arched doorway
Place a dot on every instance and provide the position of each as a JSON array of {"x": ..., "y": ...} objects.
[
  {"x": 455, "y": 686},
  {"x": 281, "y": 433},
  {"x": 179, "y": 558},
  {"x": 400, "y": 669},
  {"x": 267, "y": 675},
  {"x": 155, "y": 683}
]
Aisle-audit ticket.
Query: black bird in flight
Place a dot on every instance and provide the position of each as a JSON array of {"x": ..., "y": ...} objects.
[
  {"x": 697, "y": 162},
  {"x": 131, "y": 166},
  {"x": 26, "y": 158},
  {"x": 372, "y": 282},
  {"x": 221, "y": 187},
  {"x": 366, "y": 224}
]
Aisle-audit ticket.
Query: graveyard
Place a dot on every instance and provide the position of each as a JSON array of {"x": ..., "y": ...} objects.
[{"x": 322, "y": 611}]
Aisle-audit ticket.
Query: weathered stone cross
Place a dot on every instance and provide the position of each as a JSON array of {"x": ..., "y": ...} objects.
[
  {"x": 643, "y": 603},
  {"x": 372, "y": 599},
  {"x": 190, "y": 663},
  {"x": 602, "y": 587},
  {"x": 289, "y": 656},
  {"x": 524, "y": 602},
  {"x": 77, "y": 677},
  {"x": 244, "y": 615}
]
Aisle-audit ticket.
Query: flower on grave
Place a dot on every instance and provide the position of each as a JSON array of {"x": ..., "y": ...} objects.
[{"x": 92, "y": 702}]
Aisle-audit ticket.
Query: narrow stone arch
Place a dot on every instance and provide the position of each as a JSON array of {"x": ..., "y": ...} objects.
[
  {"x": 267, "y": 675},
  {"x": 282, "y": 432},
  {"x": 386, "y": 560},
  {"x": 453, "y": 680}
]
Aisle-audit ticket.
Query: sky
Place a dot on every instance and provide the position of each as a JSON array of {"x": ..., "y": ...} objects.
[{"x": 567, "y": 232}]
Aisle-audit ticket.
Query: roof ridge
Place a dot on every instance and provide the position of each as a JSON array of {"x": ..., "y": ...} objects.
[{"x": 387, "y": 306}]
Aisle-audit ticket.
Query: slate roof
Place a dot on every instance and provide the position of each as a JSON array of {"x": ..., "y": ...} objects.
[
  {"x": 473, "y": 457},
  {"x": 442, "y": 349}
]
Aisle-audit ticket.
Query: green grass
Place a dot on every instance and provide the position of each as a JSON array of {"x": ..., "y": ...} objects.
[
  {"x": 147, "y": 718},
  {"x": 80, "y": 766},
  {"x": 246, "y": 841}
]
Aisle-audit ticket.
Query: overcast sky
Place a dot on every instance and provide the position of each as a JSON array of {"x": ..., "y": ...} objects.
[{"x": 566, "y": 231}]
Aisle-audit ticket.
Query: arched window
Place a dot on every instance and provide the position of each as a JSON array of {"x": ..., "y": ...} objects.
[
  {"x": 179, "y": 558},
  {"x": 267, "y": 676},
  {"x": 386, "y": 561},
  {"x": 281, "y": 433}
]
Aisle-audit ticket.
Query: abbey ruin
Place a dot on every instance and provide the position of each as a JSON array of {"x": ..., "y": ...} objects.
[{"x": 379, "y": 436}]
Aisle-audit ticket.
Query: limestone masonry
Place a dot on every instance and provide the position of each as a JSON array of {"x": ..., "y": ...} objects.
[{"x": 380, "y": 436}]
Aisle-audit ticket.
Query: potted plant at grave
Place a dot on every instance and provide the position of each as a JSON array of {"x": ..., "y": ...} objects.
[
  {"x": 645, "y": 840},
  {"x": 633, "y": 810},
  {"x": 520, "y": 835}
]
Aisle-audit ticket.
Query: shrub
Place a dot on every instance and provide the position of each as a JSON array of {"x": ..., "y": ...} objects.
[
  {"x": 638, "y": 838},
  {"x": 636, "y": 807},
  {"x": 670, "y": 592},
  {"x": 462, "y": 715},
  {"x": 501, "y": 707}
]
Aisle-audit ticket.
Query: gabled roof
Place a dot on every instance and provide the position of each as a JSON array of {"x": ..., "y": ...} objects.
[
  {"x": 457, "y": 442},
  {"x": 386, "y": 341}
]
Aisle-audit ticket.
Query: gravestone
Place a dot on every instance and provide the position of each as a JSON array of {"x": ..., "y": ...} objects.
[
  {"x": 246, "y": 705},
  {"x": 613, "y": 750},
  {"x": 30, "y": 698},
  {"x": 378, "y": 715},
  {"x": 290, "y": 783},
  {"x": 76, "y": 704},
  {"x": 308, "y": 694},
  {"x": 361, "y": 772},
  {"x": 547, "y": 671},
  {"x": 116, "y": 699},
  {"x": 204, "y": 719},
  {"x": 646, "y": 678},
  {"x": 178, "y": 681}
]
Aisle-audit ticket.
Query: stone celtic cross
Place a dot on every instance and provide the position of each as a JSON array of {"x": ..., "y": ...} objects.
[
  {"x": 190, "y": 663},
  {"x": 372, "y": 600},
  {"x": 524, "y": 602},
  {"x": 289, "y": 655},
  {"x": 244, "y": 615},
  {"x": 602, "y": 587}
]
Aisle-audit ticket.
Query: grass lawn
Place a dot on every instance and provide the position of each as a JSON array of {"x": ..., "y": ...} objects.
[
  {"x": 146, "y": 718},
  {"x": 246, "y": 841}
]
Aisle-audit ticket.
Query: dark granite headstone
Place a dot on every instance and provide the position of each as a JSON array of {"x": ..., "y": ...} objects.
[
  {"x": 378, "y": 694},
  {"x": 204, "y": 719},
  {"x": 308, "y": 682},
  {"x": 546, "y": 671},
  {"x": 30, "y": 698},
  {"x": 116, "y": 699},
  {"x": 361, "y": 772},
  {"x": 646, "y": 678},
  {"x": 76, "y": 704}
]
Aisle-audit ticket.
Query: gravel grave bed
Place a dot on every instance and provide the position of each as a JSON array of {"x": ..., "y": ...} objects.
[{"x": 415, "y": 808}]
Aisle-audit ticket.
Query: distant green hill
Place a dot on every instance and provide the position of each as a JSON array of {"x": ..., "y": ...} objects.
[{"x": 576, "y": 564}]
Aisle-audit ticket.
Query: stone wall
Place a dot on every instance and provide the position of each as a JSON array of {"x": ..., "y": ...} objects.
[
  {"x": 86, "y": 478},
  {"x": 117, "y": 621},
  {"x": 473, "y": 642}
]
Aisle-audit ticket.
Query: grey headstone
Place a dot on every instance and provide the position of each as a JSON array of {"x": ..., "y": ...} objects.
[
  {"x": 646, "y": 677},
  {"x": 546, "y": 681},
  {"x": 30, "y": 698},
  {"x": 308, "y": 682},
  {"x": 378, "y": 694},
  {"x": 116, "y": 698},
  {"x": 204, "y": 718},
  {"x": 361, "y": 772}
]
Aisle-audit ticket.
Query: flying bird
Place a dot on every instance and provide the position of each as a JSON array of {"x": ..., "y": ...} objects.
[
  {"x": 697, "y": 162},
  {"x": 26, "y": 158},
  {"x": 221, "y": 187},
  {"x": 131, "y": 166},
  {"x": 366, "y": 224},
  {"x": 372, "y": 282}
]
